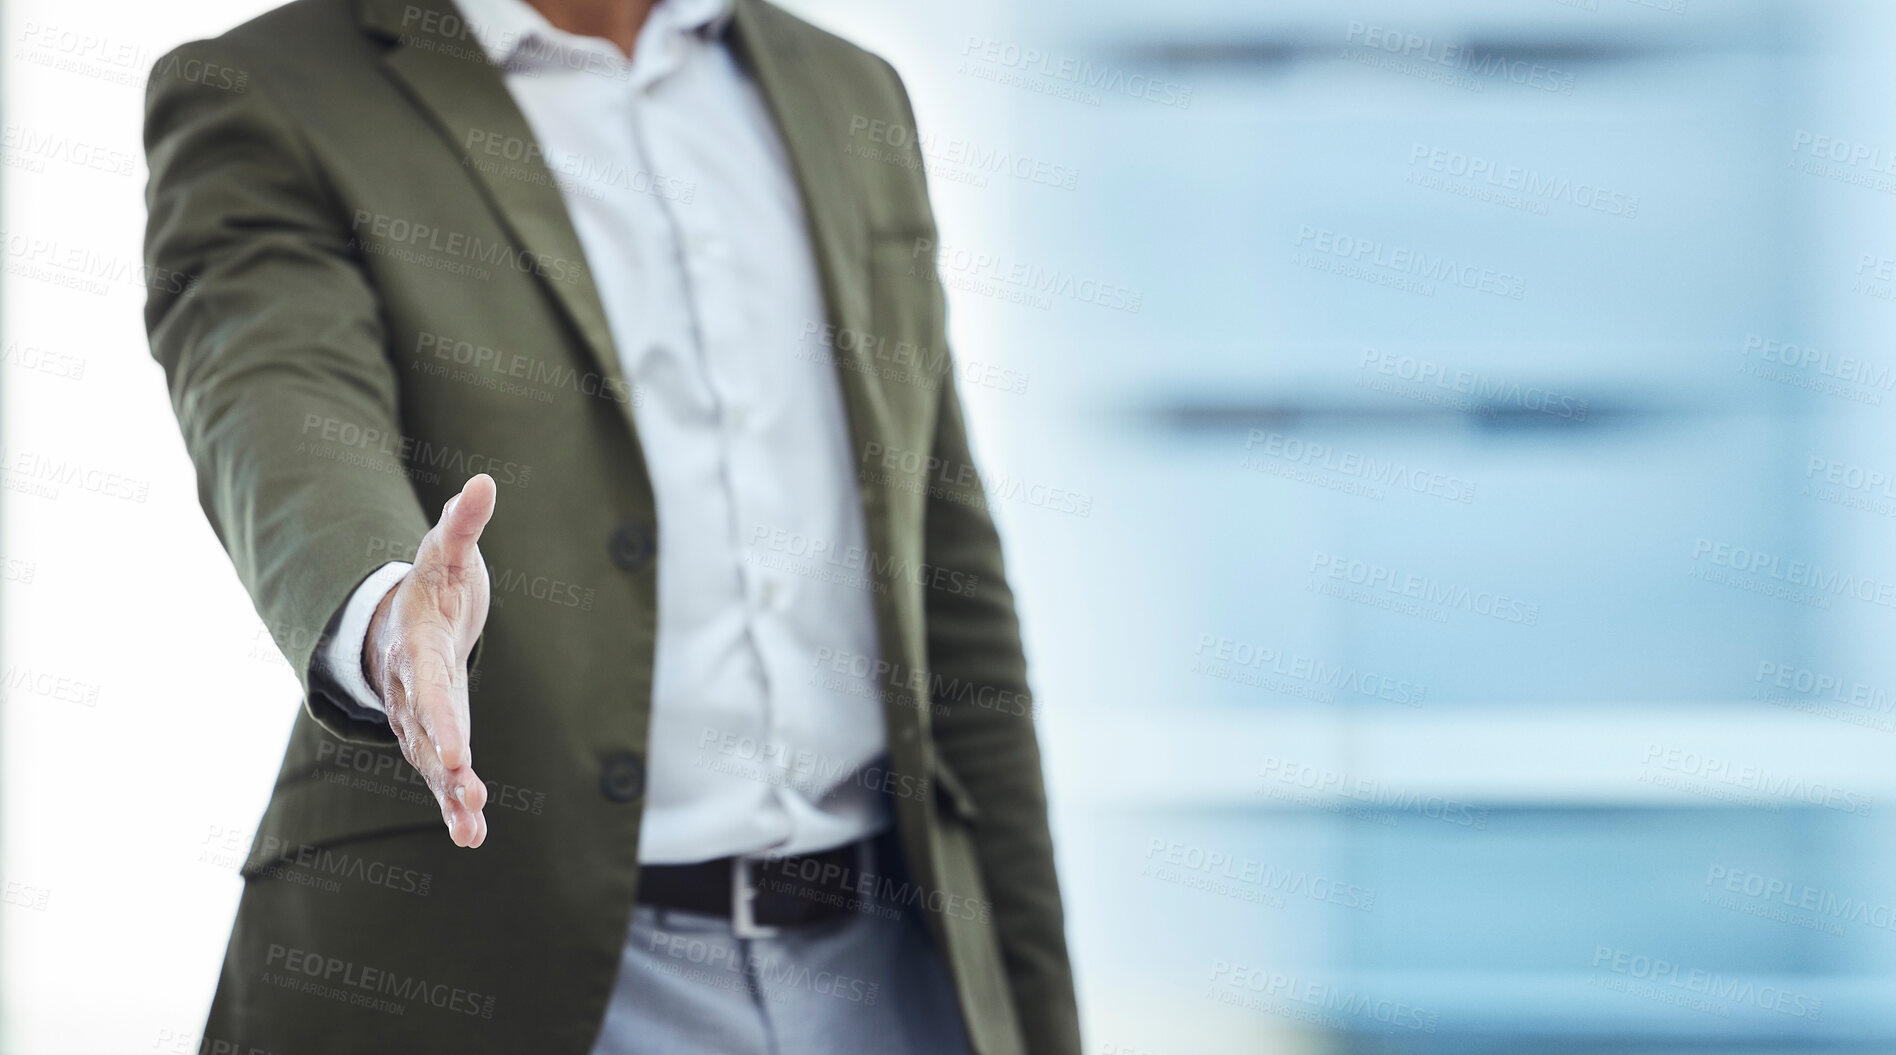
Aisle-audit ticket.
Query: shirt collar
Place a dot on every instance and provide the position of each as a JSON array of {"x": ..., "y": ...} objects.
[{"x": 503, "y": 26}]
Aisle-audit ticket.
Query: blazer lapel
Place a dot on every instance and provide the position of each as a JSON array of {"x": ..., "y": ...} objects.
[
  {"x": 810, "y": 121},
  {"x": 450, "y": 78}
]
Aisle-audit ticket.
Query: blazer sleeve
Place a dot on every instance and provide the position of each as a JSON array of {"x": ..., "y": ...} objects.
[
  {"x": 987, "y": 736},
  {"x": 974, "y": 640},
  {"x": 272, "y": 344}
]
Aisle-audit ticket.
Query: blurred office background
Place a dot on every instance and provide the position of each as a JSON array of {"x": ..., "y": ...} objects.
[{"x": 1445, "y": 458}]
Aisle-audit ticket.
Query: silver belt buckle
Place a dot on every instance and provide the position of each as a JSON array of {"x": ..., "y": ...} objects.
[{"x": 743, "y": 893}]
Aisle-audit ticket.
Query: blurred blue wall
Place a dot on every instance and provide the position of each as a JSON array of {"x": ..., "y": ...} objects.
[{"x": 1476, "y": 634}]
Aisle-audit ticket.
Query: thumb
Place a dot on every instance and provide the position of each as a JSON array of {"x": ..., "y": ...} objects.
[{"x": 463, "y": 519}]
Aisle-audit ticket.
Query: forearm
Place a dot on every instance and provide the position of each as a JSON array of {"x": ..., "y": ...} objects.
[
  {"x": 273, "y": 351},
  {"x": 986, "y": 736}
]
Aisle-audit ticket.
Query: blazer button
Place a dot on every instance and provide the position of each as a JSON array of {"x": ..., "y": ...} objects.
[
  {"x": 622, "y": 778},
  {"x": 632, "y": 547}
]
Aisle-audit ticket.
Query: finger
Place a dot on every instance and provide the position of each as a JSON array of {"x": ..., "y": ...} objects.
[
  {"x": 463, "y": 519},
  {"x": 459, "y": 793},
  {"x": 439, "y": 700},
  {"x": 471, "y": 792},
  {"x": 436, "y": 712},
  {"x": 464, "y": 825}
]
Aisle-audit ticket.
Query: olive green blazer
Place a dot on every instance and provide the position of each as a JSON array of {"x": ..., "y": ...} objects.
[{"x": 322, "y": 192}]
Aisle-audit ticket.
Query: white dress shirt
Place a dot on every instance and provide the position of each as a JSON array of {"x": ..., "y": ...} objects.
[{"x": 683, "y": 199}]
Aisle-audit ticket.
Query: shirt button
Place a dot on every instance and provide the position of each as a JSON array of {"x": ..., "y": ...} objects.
[
  {"x": 622, "y": 778},
  {"x": 740, "y": 417},
  {"x": 632, "y": 546},
  {"x": 769, "y": 593}
]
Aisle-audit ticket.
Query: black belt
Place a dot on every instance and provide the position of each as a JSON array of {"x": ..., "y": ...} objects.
[{"x": 759, "y": 895}]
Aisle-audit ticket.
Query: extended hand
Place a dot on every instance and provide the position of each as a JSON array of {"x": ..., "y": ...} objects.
[{"x": 416, "y": 653}]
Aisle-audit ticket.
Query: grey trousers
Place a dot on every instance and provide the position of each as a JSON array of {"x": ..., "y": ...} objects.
[{"x": 870, "y": 981}]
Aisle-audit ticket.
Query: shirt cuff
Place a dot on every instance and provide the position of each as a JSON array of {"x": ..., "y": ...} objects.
[{"x": 341, "y": 657}]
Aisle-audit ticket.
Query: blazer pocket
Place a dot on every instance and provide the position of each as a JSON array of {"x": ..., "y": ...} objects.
[
  {"x": 952, "y": 794},
  {"x": 350, "y": 794},
  {"x": 966, "y": 916}
]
